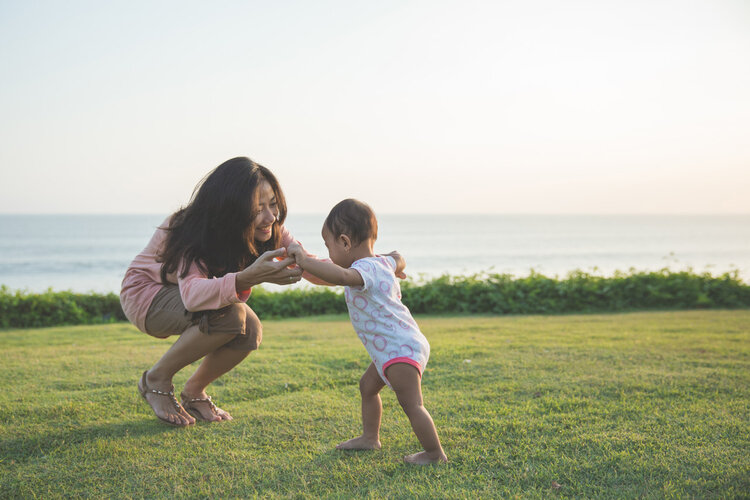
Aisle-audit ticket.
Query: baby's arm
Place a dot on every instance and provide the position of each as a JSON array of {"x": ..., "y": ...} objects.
[
  {"x": 328, "y": 271},
  {"x": 400, "y": 264}
]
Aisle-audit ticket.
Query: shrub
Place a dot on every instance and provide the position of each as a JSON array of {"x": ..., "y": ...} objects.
[
  {"x": 578, "y": 292},
  {"x": 20, "y": 309}
]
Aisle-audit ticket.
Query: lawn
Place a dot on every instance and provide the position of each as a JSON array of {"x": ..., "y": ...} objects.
[{"x": 631, "y": 405}]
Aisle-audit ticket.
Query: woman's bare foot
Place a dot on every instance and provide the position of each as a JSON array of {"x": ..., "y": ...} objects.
[
  {"x": 359, "y": 443},
  {"x": 162, "y": 402},
  {"x": 203, "y": 408},
  {"x": 424, "y": 458}
]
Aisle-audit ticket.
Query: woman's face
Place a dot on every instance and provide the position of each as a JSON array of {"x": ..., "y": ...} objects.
[{"x": 266, "y": 212}]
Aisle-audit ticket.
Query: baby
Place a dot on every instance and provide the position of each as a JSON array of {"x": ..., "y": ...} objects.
[{"x": 385, "y": 326}]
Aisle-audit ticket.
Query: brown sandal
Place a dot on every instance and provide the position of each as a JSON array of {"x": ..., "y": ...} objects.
[
  {"x": 144, "y": 389},
  {"x": 189, "y": 405}
]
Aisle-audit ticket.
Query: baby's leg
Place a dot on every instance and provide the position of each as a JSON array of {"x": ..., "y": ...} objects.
[
  {"x": 406, "y": 383},
  {"x": 369, "y": 388}
]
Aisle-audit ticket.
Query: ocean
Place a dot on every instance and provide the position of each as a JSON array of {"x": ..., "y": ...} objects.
[{"x": 86, "y": 253}]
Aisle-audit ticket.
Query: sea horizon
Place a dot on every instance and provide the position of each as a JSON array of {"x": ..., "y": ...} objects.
[{"x": 91, "y": 252}]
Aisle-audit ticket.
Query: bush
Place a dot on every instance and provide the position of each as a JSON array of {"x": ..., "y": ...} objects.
[
  {"x": 22, "y": 309},
  {"x": 578, "y": 292}
]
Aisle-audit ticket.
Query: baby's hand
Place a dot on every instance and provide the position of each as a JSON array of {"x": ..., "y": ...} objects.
[
  {"x": 295, "y": 250},
  {"x": 400, "y": 264}
]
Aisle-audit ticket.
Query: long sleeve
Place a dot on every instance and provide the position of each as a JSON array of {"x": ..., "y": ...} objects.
[{"x": 200, "y": 293}]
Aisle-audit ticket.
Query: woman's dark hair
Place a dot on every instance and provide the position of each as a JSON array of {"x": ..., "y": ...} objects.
[
  {"x": 215, "y": 230},
  {"x": 354, "y": 219}
]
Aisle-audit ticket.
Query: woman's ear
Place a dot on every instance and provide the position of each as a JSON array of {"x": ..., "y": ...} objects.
[{"x": 346, "y": 241}]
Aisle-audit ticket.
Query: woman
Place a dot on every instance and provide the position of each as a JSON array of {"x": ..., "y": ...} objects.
[{"x": 194, "y": 277}]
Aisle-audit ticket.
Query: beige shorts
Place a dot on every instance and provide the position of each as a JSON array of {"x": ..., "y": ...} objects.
[{"x": 167, "y": 316}]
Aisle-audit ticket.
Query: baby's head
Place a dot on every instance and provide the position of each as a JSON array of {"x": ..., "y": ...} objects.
[{"x": 349, "y": 225}]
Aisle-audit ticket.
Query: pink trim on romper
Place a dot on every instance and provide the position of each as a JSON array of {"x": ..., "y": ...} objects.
[{"x": 402, "y": 359}]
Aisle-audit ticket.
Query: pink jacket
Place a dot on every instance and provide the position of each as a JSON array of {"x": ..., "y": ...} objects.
[{"x": 199, "y": 293}]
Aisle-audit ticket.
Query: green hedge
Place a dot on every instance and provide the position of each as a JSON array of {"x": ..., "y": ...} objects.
[
  {"x": 481, "y": 293},
  {"x": 578, "y": 292},
  {"x": 21, "y": 309}
]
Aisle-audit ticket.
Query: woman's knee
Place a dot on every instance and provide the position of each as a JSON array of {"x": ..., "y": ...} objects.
[
  {"x": 250, "y": 335},
  {"x": 229, "y": 320},
  {"x": 253, "y": 327}
]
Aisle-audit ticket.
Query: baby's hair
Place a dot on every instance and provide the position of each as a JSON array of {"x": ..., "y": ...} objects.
[{"x": 354, "y": 219}]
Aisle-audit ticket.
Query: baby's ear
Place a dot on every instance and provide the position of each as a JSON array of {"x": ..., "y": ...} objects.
[{"x": 346, "y": 241}]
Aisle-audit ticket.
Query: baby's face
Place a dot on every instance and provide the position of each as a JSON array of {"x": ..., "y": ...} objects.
[{"x": 336, "y": 249}]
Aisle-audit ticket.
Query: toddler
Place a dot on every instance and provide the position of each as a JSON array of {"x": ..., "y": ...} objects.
[{"x": 385, "y": 326}]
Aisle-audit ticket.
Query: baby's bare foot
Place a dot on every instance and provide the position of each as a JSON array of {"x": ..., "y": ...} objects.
[
  {"x": 359, "y": 443},
  {"x": 424, "y": 458}
]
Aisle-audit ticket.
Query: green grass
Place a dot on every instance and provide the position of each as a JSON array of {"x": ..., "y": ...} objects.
[{"x": 632, "y": 405}]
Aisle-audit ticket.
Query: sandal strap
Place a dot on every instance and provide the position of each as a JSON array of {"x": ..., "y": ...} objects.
[
  {"x": 204, "y": 400},
  {"x": 169, "y": 394}
]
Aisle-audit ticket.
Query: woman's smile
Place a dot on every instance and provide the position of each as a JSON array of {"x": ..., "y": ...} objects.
[{"x": 267, "y": 212}]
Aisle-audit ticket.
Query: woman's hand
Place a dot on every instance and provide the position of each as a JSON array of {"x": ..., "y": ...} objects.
[
  {"x": 400, "y": 264},
  {"x": 267, "y": 270}
]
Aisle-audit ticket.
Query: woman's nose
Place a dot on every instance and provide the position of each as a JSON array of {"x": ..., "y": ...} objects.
[{"x": 269, "y": 215}]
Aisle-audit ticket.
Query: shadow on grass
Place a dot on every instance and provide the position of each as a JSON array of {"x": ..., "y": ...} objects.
[{"x": 25, "y": 448}]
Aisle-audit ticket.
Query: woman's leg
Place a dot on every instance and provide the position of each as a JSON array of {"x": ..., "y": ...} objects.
[
  {"x": 213, "y": 366},
  {"x": 190, "y": 347},
  {"x": 406, "y": 383},
  {"x": 372, "y": 409},
  {"x": 239, "y": 318}
]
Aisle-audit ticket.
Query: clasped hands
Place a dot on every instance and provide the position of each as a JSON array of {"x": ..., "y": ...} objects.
[{"x": 274, "y": 266}]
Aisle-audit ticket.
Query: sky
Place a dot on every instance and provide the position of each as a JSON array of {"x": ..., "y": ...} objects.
[{"x": 539, "y": 106}]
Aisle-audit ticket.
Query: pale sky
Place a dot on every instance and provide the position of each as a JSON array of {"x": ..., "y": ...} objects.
[{"x": 540, "y": 106}]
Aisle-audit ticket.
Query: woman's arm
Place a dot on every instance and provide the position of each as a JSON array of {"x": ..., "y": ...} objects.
[
  {"x": 326, "y": 270},
  {"x": 200, "y": 293}
]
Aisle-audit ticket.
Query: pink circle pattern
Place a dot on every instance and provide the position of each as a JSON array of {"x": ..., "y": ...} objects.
[
  {"x": 360, "y": 302},
  {"x": 384, "y": 313},
  {"x": 379, "y": 342},
  {"x": 379, "y": 318},
  {"x": 365, "y": 266}
]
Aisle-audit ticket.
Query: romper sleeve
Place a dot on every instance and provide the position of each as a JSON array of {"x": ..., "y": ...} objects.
[
  {"x": 389, "y": 261},
  {"x": 367, "y": 271}
]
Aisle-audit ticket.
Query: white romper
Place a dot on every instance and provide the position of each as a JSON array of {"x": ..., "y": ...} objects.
[{"x": 384, "y": 325}]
